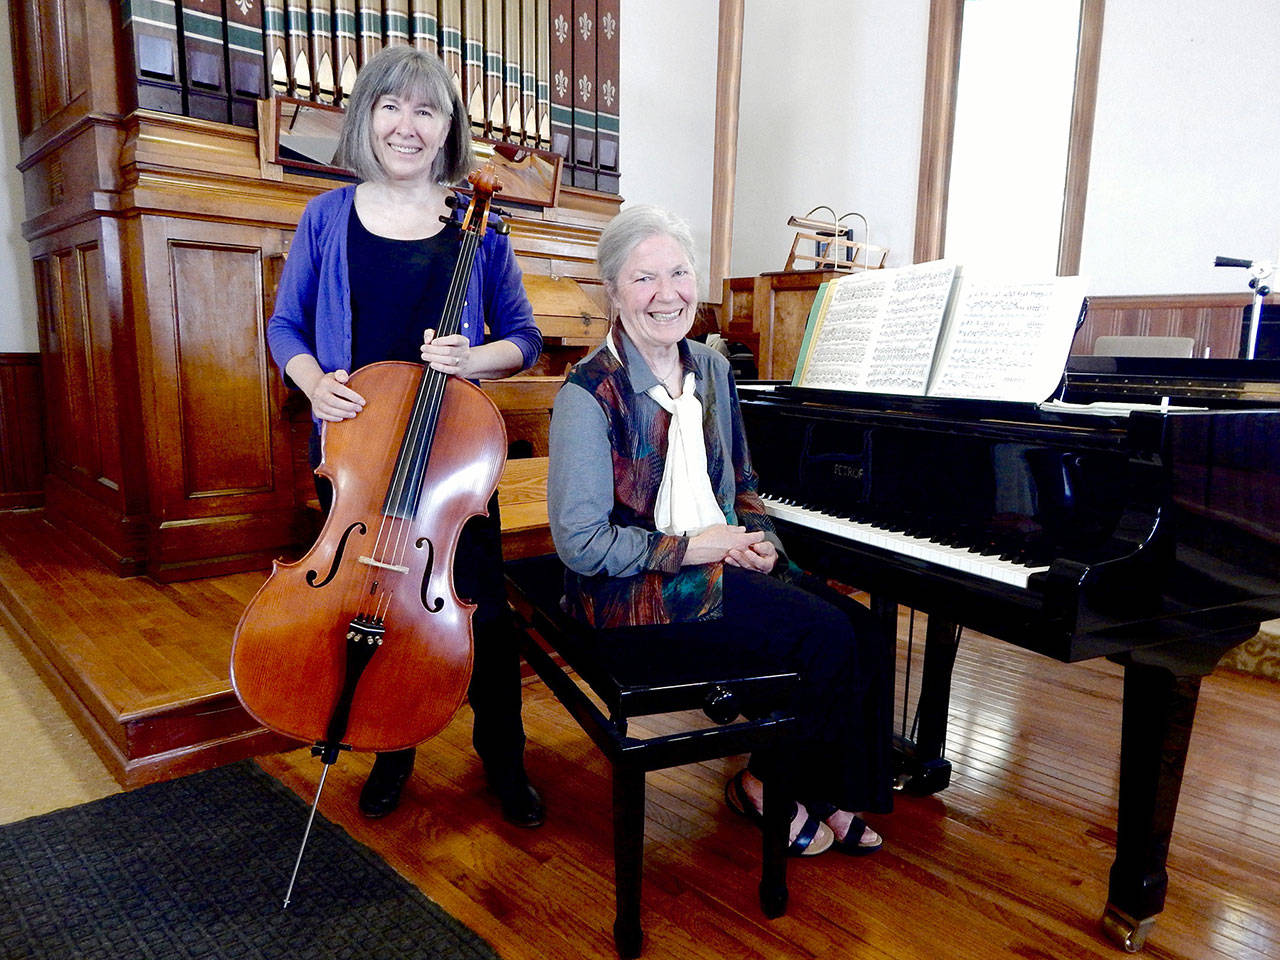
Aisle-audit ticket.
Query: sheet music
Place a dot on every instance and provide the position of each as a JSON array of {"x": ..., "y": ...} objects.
[
  {"x": 879, "y": 329},
  {"x": 908, "y": 332},
  {"x": 1007, "y": 340},
  {"x": 839, "y": 352}
]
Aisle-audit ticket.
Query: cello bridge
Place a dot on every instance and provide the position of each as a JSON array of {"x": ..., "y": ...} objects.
[{"x": 369, "y": 561}]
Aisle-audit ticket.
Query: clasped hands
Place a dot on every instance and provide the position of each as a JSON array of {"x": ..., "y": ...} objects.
[
  {"x": 733, "y": 545},
  {"x": 332, "y": 399}
]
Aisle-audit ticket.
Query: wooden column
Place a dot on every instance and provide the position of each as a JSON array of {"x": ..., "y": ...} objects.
[
  {"x": 728, "y": 82},
  {"x": 1083, "y": 107},
  {"x": 942, "y": 74}
]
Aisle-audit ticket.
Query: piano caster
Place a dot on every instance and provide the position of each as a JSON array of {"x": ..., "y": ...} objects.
[
  {"x": 923, "y": 779},
  {"x": 1124, "y": 931}
]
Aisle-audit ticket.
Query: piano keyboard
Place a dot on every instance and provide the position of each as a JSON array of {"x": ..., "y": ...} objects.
[{"x": 956, "y": 558}]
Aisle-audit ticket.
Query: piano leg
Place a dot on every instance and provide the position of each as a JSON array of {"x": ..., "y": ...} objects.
[
  {"x": 1161, "y": 688},
  {"x": 921, "y": 769}
]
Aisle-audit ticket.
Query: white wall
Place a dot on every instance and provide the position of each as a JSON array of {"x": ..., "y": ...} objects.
[
  {"x": 17, "y": 288},
  {"x": 1185, "y": 164},
  {"x": 1186, "y": 148},
  {"x": 667, "y": 110},
  {"x": 1185, "y": 161},
  {"x": 831, "y": 105}
]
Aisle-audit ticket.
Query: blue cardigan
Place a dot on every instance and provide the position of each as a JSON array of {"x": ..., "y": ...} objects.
[{"x": 313, "y": 303}]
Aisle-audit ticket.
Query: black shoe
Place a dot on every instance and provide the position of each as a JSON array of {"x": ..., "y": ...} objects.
[
  {"x": 522, "y": 805},
  {"x": 381, "y": 792}
]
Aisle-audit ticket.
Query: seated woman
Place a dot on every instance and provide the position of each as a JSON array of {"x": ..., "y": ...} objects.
[{"x": 654, "y": 510}]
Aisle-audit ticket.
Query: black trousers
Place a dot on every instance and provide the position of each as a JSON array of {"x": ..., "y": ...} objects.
[
  {"x": 494, "y": 691},
  {"x": 843, "y": 703}
]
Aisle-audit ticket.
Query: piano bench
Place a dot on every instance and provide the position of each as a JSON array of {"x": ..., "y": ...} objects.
[{"x": 535, "y": 586}]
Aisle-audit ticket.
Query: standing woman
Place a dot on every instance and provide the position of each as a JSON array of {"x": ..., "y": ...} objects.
[
  {"x": 366, "y": 279},
  {"x": 654, "y": 510}
]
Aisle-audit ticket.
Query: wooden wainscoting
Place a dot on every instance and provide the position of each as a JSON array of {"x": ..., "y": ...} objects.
[
  {"x": 21, "y": 433},
  {"x": 1213, "y": 320}
]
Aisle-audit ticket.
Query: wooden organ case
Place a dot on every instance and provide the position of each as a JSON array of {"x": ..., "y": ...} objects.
[{"x": 155, "y": 239}]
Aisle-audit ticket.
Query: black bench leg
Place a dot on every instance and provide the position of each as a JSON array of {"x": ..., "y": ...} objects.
[
  {"x": 773, "y": 871},
  {"x": 628, "y": 856}
]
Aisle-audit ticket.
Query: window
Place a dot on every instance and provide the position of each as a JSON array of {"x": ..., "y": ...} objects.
[{"x": 1007, "y": 131}]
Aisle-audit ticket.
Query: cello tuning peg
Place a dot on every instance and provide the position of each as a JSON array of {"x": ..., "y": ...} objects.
[
  {"x": 502, "y": 227},
  {"x": 451, "y": 201},
  {"x": 446, "y": 219}
]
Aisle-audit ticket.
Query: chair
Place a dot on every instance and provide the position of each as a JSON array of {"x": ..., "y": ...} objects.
[
  {"x": 1143, "y": 346},
  {"x": 535, "y": 586}
]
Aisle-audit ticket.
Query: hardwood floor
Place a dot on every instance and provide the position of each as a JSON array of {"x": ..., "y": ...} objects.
[
  {"x": 141, "y": 667},
  {"x": 1010, "y": 861}
]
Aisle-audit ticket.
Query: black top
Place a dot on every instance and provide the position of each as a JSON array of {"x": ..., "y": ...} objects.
[{"x": 398, "y": 290}]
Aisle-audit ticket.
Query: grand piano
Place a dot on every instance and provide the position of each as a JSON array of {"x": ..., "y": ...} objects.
[{"x": 1135, "y": 516}]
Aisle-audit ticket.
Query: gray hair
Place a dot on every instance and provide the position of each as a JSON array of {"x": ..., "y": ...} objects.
[
  {"x": 628, "y": 230},
  {"x": 403, "y": 71}
]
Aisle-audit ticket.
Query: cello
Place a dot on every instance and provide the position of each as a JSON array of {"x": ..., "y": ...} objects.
[{"x": 362, "y": 643}]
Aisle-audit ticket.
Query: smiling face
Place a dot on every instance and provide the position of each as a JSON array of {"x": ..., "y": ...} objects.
[
  {"x": 407, "y": 133},
  {"x": 656, "y": 294}
]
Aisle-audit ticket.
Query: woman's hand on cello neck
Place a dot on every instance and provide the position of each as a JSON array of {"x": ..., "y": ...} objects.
[
  {"x": 447, "y": 354},
  {"x": 454, "y": 355}
]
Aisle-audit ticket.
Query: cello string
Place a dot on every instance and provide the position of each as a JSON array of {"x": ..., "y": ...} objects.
[
  {"x": 432, "y": 396},
  {"x": 428, "y": 402},
  {"x": 389, "y": 530},
  {"x": 407, "y": 463},
  {"x": 412, "y": 463}
]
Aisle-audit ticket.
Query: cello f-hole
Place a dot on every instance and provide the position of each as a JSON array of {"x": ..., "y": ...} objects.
[
  {"x": 436, "y": 605},
  {"x": 337, "y": 557}
]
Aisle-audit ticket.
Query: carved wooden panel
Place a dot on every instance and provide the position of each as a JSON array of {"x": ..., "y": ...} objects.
[
  {"x": 224, "y": 410},
  {"x": 63, "y": 63},
  {"x": 219, "y": 458},
  {"x": 525, "y": 402},
  {"x": 84, "y": 403},
  {"x": 21, "y": 437},
  {"x": 93, "y": 452}
]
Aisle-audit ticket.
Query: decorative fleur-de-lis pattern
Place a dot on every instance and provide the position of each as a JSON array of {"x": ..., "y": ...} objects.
[
  {"x": 562, "y": 83},
  {"x": 584, "y": 88},
  {"x": 584, "y": 26},
  {"x": 608, "y": 24},
  {"x": 562, "y": 28},
  {"x": 607, "y": 92},
  {"x": 244, "y": 5}
]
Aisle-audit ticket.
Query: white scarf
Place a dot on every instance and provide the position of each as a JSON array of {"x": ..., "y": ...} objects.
[{"x": 686, "y": 503}]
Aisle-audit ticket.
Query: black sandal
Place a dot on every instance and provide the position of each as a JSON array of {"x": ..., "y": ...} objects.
[
  {"x": 739, "y": 801},
  {"x": 857, "y": 827}
]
